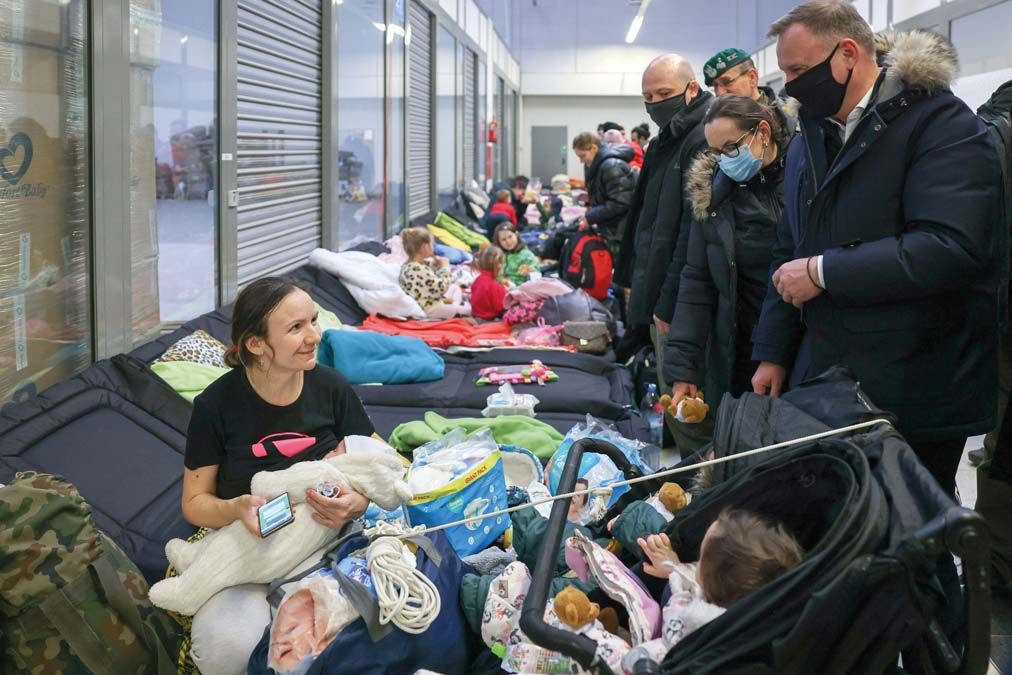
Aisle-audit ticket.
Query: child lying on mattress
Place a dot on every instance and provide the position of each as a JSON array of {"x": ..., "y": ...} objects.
[
  {"x": 427, "y": 278},
  {"x": 741, "y": 552}
]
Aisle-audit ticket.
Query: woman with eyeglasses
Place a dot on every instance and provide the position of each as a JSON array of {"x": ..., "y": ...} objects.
[{"x": 736, "y": 193}]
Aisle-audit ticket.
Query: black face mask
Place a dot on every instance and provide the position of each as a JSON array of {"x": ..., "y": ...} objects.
[
  {"x": 819, "y": 94},
  {"x": 662, "y": 112}
]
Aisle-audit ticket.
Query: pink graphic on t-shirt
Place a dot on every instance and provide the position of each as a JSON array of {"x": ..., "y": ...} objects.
[{"x": 289, "y": 445}]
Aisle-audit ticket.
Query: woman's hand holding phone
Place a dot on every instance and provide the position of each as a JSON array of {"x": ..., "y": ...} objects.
[{"x": 246, "y": 507}]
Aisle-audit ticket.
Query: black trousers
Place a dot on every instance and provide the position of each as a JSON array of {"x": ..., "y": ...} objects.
[{"x": 941, "y": 458}]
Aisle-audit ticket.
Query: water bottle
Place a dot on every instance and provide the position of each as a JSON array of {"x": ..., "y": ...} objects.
[{"x": 650, "y": 408}]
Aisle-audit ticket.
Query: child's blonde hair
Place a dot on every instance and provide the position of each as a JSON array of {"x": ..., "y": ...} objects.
[
  {"x": 413, "y": 239},
  {"x": 491, "y": 259},
  {"x": 502, "y": 195}
]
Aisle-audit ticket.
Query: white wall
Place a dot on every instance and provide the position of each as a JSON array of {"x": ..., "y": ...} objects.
[{"x": 576, "y": 113}]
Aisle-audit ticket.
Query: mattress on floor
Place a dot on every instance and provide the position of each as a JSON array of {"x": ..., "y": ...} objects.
[
  {"x": 117, "y": 433},
  {"x": 386, "y": 418},
  {"x": 586, "y": 385}
]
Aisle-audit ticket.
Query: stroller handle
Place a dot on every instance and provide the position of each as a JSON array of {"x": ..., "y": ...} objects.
[
  {"x": 578, "y": 647},
  {"x": 964, "y": 533}
]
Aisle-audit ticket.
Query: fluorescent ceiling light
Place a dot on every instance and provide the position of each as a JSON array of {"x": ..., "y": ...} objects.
[
  {"x": 637, "y": 22},
  {"x": 634, "y": 29},
  {"x": 381, "y": 27}
]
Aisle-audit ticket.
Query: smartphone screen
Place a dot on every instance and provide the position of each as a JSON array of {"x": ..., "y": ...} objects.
[{"x": 275, "y": 514}]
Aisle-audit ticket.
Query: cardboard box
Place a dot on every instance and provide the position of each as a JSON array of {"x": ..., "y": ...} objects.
[{"x": 45, "y": 326}]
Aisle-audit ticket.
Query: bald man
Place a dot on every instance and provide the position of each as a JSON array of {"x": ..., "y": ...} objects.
[{"x": 653, "y": 248}]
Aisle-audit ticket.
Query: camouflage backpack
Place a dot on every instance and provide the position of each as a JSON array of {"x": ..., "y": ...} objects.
[{"x": 70, "y": 599}]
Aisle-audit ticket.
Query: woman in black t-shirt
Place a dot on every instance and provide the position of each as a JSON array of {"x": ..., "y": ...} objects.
[{"x": 275, "y": 408}]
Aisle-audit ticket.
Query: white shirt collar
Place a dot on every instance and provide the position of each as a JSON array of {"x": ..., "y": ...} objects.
[{"x": 855, "y": 115}]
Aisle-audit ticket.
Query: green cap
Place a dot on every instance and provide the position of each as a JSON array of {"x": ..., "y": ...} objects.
[{"x": 721, "y": 62}]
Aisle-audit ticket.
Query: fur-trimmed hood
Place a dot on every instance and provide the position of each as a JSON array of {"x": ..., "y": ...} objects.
[
  {"x": 919, "y": 59},
  {"x": 699, "y": 184}
]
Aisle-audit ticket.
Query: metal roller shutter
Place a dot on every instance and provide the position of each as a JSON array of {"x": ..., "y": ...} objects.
[
  {"x": 420, "y": 95},
  {"x": 279, "y": 134},
  {"x": 470, "y": 114}
]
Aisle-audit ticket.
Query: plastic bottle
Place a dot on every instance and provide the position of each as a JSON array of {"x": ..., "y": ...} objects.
[{"x": 650, "y": 408}]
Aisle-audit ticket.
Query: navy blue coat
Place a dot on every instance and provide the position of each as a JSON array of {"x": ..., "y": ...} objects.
[{"x": 906, "y": 219}]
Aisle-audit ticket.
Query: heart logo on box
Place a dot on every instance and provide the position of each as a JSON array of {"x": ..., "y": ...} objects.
[{"x": 19, "y": 140}]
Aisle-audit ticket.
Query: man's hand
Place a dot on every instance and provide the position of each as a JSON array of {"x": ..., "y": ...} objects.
[
  {"x": 246, "y": 510},
  {"x": 769, "y": 378},
  {"x": 680, "y": 390},
  {"x": 661, "y": 326},
  {"x": 793, "y": 281},
  {"x": 335, "y": 512}
]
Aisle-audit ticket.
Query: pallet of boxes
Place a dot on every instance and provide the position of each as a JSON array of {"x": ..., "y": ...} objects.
[{"x": 45, "y": 319}]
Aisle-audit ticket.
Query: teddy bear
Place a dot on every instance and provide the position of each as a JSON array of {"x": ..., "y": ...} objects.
[
  {"x": 686, "y": 409},
  {"x": 233, "y": 555},
  {"x": 673, "y": 497},
  {"x": 574, "y": 608}
]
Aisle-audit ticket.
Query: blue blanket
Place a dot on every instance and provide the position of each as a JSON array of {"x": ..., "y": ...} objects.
[
  {"x": 365, "y": 357},
  {"x": 455, "y": 256}
]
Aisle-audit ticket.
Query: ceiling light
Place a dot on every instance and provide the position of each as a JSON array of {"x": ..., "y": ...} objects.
[
  {"x": 637, "y": 22},
  {"x": 183, "y": 40}
]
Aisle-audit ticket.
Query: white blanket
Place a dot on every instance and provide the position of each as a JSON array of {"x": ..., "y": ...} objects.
[{"x": 374, "y": 284}]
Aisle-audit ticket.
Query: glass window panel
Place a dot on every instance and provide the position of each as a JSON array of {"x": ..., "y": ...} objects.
[
  {"x": 446, "y": 128},
  {"x": 396, "y": 194},
  {"x": 45, "y": 308},
  {"x": 981, "y": 39},
  {"x": 361, "y": 45},
  {"x": 173, "y": 162}
]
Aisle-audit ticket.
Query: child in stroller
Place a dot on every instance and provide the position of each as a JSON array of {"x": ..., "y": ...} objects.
[{"x": 741, "y": 552}]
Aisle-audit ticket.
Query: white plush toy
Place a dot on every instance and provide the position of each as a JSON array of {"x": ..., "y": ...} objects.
[{"x": 232, "y": 555}]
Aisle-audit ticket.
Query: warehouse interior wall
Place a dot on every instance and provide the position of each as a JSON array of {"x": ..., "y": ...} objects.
[{"x": 576, "y": 113}]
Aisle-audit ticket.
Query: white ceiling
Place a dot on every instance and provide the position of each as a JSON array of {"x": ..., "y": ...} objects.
[{"x": 576, "y": 47}]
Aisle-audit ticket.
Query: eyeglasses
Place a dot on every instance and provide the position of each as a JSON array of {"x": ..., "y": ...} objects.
[
  {"x": 734, "y": 150},
  {"x": 727, "y": 82}
]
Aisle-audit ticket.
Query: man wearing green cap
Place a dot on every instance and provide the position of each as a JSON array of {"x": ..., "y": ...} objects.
[{"x": 732, "y": 71}]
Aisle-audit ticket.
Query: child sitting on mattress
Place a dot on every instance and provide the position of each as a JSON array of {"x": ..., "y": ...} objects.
[
  {"x": 740, "y": 553},
  {"x": 503, "y": 204},
  {"x": 487, "y": 293},
  {"x": 520, "y": 261},
  {"x": 427, "y": 278}
]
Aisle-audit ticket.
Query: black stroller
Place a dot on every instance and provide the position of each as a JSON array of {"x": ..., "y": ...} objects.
[{"x": 873, "y": 591}]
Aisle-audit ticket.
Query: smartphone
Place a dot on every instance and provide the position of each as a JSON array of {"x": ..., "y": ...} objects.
[{"x": 275, "y": 514}]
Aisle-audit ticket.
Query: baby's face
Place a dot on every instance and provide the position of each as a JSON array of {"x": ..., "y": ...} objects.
[{"x": 294, "y": 632}]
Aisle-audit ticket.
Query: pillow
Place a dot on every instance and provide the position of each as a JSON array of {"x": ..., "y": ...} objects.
[
  {"x": 327, "y": 320},
  {"x": 188, "y": 378},
  {"x": 198, "y": 347}
]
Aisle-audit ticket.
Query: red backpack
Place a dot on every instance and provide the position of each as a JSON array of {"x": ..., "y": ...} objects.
[{"x": 588, "y": 264}]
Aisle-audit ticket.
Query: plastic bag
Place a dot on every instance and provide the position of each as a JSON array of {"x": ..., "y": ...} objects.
[
  {"x": 508, "y": 402},
  {"x": 541, "y": 335},
  {"x": 597, "y": 470},
  {"x": 456, "y": 477}
]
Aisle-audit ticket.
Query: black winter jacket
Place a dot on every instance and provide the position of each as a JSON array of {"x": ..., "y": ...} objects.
[
  {"x": 610, "y": 185},
  {"x": 653, "y": 252},
  {"x": 724, "y": 279},
  {"x": 905, "y": 219},
  {"x": 996, "y": 114}
]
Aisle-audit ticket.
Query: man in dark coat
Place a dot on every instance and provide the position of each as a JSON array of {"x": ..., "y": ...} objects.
[
  {"x": 610, "y": 185},
  {"x": 887, "y": 260},
  {"x": 653, "y": 246}
]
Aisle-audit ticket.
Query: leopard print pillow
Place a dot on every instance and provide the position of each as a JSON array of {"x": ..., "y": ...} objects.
[{"x": 198, "y": 347}]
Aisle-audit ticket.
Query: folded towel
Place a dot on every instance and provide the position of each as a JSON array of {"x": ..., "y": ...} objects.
[
  {"x": 367, "y": 357},
  {"x": 524, "y": 432}
]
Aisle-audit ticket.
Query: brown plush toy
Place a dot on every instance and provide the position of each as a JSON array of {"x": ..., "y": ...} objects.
[
  {"x": 574, "y": 608},
  {"x": 673, "y": 497},
  {"x": 693, "y": 410}
]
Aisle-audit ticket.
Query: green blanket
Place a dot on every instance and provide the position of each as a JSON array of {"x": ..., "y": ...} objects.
[
  {"x": 186, "y": 377},
  {"x": 525, "y": 432},
  {"x": 466, "y": 235}
]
